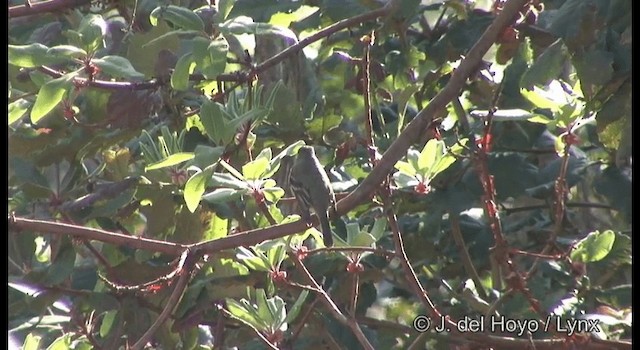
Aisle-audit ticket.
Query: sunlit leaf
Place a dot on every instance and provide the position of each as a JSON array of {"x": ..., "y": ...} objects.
[
  {"x": 172, "y": 160},
  {"x": 179, "y": 16},
  {"x": 594, "y": 247},
  {"x": 26, "y": 55},
  {"x": 66, "y": 51},
  {"x": 117, "y": 67},
  {"x": 17, "y": 110},
  {"x": 50, "y": 95},
  {"x": 222, "y": 195},
  {"x": 92, "y": 30},
  {"x": 195, "y": 188}
]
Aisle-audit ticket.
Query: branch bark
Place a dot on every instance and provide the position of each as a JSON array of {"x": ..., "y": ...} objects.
[{"x": 29, "y": 9}]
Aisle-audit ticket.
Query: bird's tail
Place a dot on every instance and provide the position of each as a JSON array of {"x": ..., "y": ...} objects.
[{"x": 327, "y": 236}]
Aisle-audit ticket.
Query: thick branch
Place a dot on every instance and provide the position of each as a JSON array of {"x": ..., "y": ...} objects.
[
  {"x": 95, "y": 234},
  {"x": 45, "y": 6},
  {"x": 417, "y": 126}
]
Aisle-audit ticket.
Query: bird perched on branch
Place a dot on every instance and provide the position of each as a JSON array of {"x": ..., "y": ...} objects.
[{"x": 312, "y": 188}]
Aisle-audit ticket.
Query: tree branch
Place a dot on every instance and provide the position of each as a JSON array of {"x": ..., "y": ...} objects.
[
  {"x": 103, "y": 84},
  {"x": 95, "y": 234},
  {"x": 29, "y": 9},
  {"x": 172, "y": 302},
  {"x": 417, "y": 126}
]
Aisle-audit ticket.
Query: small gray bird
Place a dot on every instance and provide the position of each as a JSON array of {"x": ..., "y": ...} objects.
[{"x": 312, "y": 188}]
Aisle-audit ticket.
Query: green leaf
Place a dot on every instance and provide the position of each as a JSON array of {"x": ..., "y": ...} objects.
[
  {"x": 117, "y": 67},
  {"x": 596, "y": 246},
  {"x": 111, "y": 207},
  {"x": 225, "y": 7},
  {"x": 168, "y": 35},
  {"x": 210, "y": 57},
  {"x": 149, "y": 44},
  {"x": 217, "y": 49},
  {"x": 442, "y": 165},
  {"x": 243, "y": 314},
  {"x": 218, "y": 228},
  {"x": 107, "y": 322},
  {"x": 260, "y": 10},
  {"x": 62, "y": 266},
  {"x": 180, "y": 76},
  {"x": 66, "y": 52},
  {"x": 406, "y": 168},
  {"x": 255, "y": 169},
  {"x": 62, "y": 343},
  {"x": 173, "y": 159},
  {"x": 285, "y": 19},
  {"x": 50, "y": 95},
  {"x": 245, "y": 25},
  {"x": 254, "y": 262},
  {"x": 179, "y": 16},
  {"x": 31, "y": 342},
  {"x": 274, "y": 164},
  {"x": 17, "y": 110},
  {"x": 213, "y": 121},
  {"x": 546, "y": 67},
  {"x": 403, "y": 180},
  {"x": 91, "y": 32},
  {"x": 195, "y": 188},
  {"x": 222, "y": 195},
  {"x": 431, "y": 153},
  {"x": 255, "y": 116},
  {"x": 228, "y": 180},
  {"x": 378, "y": 228},
  {"x": 264, "y": 309},
  {"x": 544, "y": 99},
  {"x": 362, "y": 239},
  {"x": 273, "y": 194},
  {"x": 206, "y": 155},
  {"x": 276, "y": 254},
  {"x": 28, "y": 56},
  {"x": 297, "y": 306},
  {"x": 594, "y": 67}
]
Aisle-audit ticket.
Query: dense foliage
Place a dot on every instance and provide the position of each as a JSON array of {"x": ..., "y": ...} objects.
[{"x": 480, "y": 154}]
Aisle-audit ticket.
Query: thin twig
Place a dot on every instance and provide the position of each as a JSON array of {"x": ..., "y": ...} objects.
[
  {"x": 377, "y": 251},
  {"x": 409, "y": 273},
  {"x": 303, "y": 320},
  {"x": 454, "y": 219},
  {"x": 366, "y": 93},
  {"x": 107, "y": 85},
  {"x": 172, "y": 302},
  {"x": 331, "y": 306},
  {"x": 568, "y": 205},
  {"x": 355, "y": 290},
  {"x": 258, "y": 333}
]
